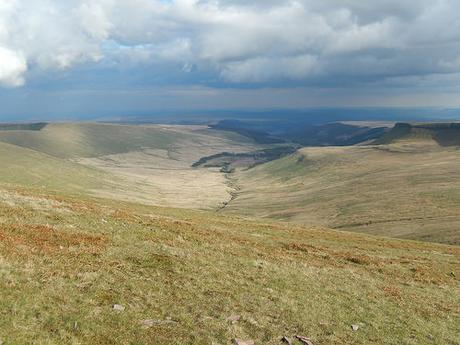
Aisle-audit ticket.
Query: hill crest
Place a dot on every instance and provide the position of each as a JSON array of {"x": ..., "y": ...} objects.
[{"x": 444, "y": 134}]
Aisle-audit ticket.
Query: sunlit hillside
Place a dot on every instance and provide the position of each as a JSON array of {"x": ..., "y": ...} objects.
[
  {"x": 94, "y": 271},
  {"x": 409, "y": 189}
]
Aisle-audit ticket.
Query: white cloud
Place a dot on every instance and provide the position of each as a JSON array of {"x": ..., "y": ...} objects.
[
  {"x": 12, "y": 68},
  {"x": 94, "y": 19},
  {"x": 239, "y": 41}
]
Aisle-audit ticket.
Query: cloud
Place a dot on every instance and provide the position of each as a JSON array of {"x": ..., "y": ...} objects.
[
  {"x": 12, "y": 68},
  {"x": 265, "y": 69},
  {"x": 314, "y": 42}
]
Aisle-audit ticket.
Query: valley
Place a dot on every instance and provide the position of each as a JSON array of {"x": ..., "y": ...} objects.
[
  {"x": 229, "y": 172},
  {"x": 149, "y": 164},
  {"x": 184, "y": 234},
  {"x": 405, "y": 184}
]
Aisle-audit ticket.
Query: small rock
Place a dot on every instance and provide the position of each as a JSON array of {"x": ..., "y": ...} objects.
[
  {"x": 234, "y": 318},
  {"x": 354, "y": 327},
  {"x": 286, "y": 340},
  {"x": 147, "y": 323},
  {"x": 150, "y": 322},
  {"x": 243, "y": 342},
  {"x": 304, "y": 340},
  {"x": 118, "y": 307}
]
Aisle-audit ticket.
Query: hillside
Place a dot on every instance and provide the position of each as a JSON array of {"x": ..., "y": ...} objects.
[
  {"x": 76, "y": 140},
  {"x": 445, "y": 134},
  {"x": 93, "y": 271},
  {"x": 24, "y": 167},
  {"x": 151, "y": 164},
  {"x": 407, "y": 190}
]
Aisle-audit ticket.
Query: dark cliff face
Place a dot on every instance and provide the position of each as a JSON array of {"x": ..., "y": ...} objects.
[
  {"x": 399, "y": 131},
  {"x": 445, "y": 134},
  {"x": 448, "y": 135}
]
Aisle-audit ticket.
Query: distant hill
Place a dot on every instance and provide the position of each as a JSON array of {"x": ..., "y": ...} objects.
[
  {"x": 76, "y": 140},
  {"x": 246, "y": 130},
  {"x": 445, "y": 134},
  {"x": 71, "y": 140},
  {"x": 22, "y": 126},
  {"x": 334, "y": 134},
  {"x": 306, "y": 134}
]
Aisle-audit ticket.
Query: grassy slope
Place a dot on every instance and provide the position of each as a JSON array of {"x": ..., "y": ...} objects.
[
  {"x": 24, "y": 167},
  {"x": 408, "y": 190},
  {"x": 71, "y": 140},
  {"x": 76, "y": 140},
  {"x": 157, "y": 171},
  {"x": 65, "y": 261}
]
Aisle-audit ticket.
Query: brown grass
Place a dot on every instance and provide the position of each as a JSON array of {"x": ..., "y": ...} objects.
[
  {"x": 28, "y": 239},
  {"x": 199, "y": 268}
]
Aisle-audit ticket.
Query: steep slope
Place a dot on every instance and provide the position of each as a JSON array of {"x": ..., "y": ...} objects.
[
  {"x": 91, "y": 271},
  {"x": 445, "y": 134},
  {"x": 408, "y": 190}
]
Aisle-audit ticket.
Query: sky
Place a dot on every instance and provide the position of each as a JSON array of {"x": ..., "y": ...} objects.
[{"x": 90, "y": 58}]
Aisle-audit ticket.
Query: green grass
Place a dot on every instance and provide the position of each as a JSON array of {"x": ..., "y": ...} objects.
[
  {"x": 63, "y": 267},
  {"x": 407, "y": 190},
  {"x": 77, "y": 140},
  {"x": 24, "y": 167},
  {"x": 71, "y": 140}
]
